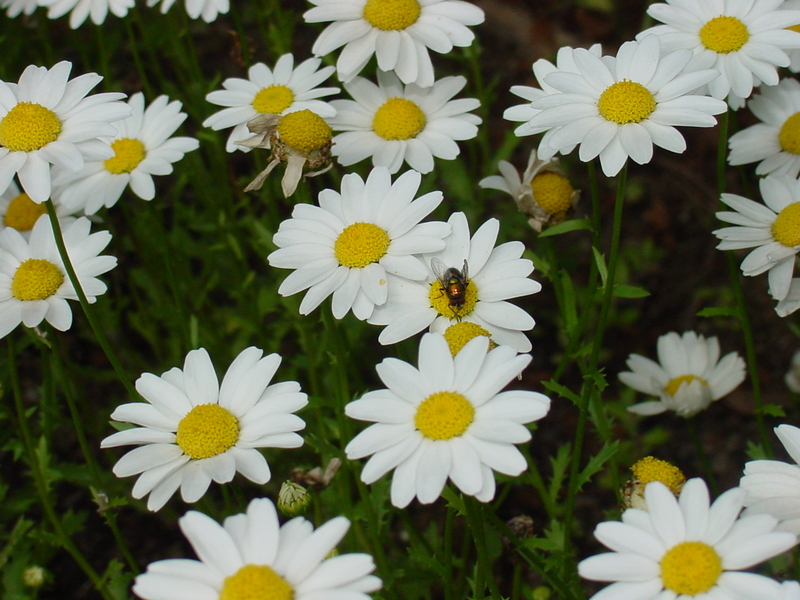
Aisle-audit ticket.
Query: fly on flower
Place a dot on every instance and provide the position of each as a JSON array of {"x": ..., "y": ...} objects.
[{"x": 454, "y": 284}]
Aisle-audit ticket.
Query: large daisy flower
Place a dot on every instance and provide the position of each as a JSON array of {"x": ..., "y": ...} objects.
[
  {"x": 46, "y": 119},
  {"x": 688, "y": 376},
  {"x": 277, "y": 91},
  {"x": 142, "y": 148},
  {"x": 393, "y": 123},
  {"x": 252, "y": 555},
  {"x": 448, "y": 419},
  {"x": 744, "y": 41},
  {"x": 398, "y": 32},
  {"x": 774, "y": 231},
  {"x": 208, "y": 10},
  {"x": 81, "y": 9},
  {"x": 348, "y": 244},
  {"x": 620, "y": 108},
  {"x": 488, "y": 276},
  {"x": 686, "y": 548},
  {"x": 194, "y": 430},
  {"x": 34, "y": 285}
]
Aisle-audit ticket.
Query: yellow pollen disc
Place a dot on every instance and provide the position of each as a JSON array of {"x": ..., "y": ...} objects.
[
  {"x": 304, "y": 131},
  {"x": 22, "y": 213},
  {"x": 458, "y": 334},
  {"x": 391, "y": 15},
  {"x": 786, "y": 228},
  {"x": 274, "y": 99},
  {"x": 29, "y": 126},
  {"x": 444, "y": 415},
  {"x": 674, "y": 385},
  {"x": 789, "y": 136},
  {"x": 360, "y": 244},
  {"x": 128, "y": 153},
  {"x": 626, "y": 102},
  {"x": 552, "y": 191},
  {"x": 651, "y": 469},
  {"x": 256, "y": 582},
  {"x": 207, "y": 430},
  {"x": 690, "y": 568},
  {"x": 724, "y": 34},
  {"x": 794, "y": 28},
  {"x": 36, "y": 279},
  {"x": 398, "y": 119},
  {"x": 442, "y": 303}
]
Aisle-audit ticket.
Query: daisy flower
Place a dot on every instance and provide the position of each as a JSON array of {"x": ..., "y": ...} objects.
[
  {"x": 688, "y": 376},
  {"x": 620, "y": 108},
  {"x": 17, "y": 7},
  {"x": 141, "y": 148},
  {"x": 791, "y": 302},
  {"x": 81, "y": 9},
  {"x": 448, "y": 419},
  {"x": 794, "y": 55},
  {"x": 744, "y": 41},
  {"x": 348, "y": 244},
  {"x": 46, "y": 119},
  {"x": 646, "y": 471},
  {"x": 686, "y": 547},
  {"x": 277, "y": 91},
  {"x": 792, "y": 377},
  {"x": 34, "y": 285},
  {"x": 252, "y": 555},
  {"x": 393, "y": 123},
  {"x": 773, "y": 486},
  {"x": 776, "y": 140},
  {"x": 398, "y": 32},
  {"x": 774, "y": 231},
  {"x": 493, "y": 275},
  {"x": 194, "y": 430},
  {"x": 17, "y": 210},
  {"x": 207, "y": 9}
]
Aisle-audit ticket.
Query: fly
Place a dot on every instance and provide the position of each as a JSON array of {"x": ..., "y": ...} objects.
[{"x": 454, "y": 283}]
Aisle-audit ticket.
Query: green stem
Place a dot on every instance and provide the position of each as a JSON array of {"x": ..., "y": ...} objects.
[
  {"x": 701, "y": 454},
  {"x": 483, "y": 575}
]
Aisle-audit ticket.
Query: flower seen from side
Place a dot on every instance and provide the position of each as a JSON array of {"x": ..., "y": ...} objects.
[
  {"x": 192, "y": 430},
  {"x": 14, "y": 8},
  {"x": 208, "y": 10},
  {"x": 398, "y": 32},
  {"x": 446, "y": 419},
  {"x": 347, "y": 246},
  {"x": 80, "y": 10},
  {"x": 686, "y": 547},
  {"x": 393, "y": 123},
  {"x": 251, "y": 555},
  {"x": 688, "y": 376}
]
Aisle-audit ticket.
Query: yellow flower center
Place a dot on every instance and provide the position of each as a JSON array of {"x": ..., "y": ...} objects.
[
  {"x": 786, "y": 228},
  {"x": 552, "y": 191},
  {"x": 29, "y": 126},
  {"x": 789, "y": 136},
  {"x": 391, "y": 15},
  {"x": 675, "y": 384},
  {"x": 22, "y": 213},
  {"x": 360, "y": 244},
  {"x": 304, "y": 131},
  {"x": 794, "y": 28},
  {"x": 398, "y": 119},
  {"x": 273, "y": 99},
  {"x": 128, "y": 153},
  {"x": 724, "y": 34},
  {"x": 444, "y": 415},
  {"x": 36, "y": 279},
  {"x": 451, "y": 308},
  {"x": 626, "y": 102},
  {"x": 458, "y": 334},
  {"x": 256, "y": 582},
  {"x": 690, "y": 568},
  {"x": 207, "y": 430},
  {"x": 651, "y": 469}
]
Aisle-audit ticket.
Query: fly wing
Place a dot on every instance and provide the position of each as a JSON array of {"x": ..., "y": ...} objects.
[
  {"x": 439, "y": 270},
  {"x": 464, "y": 271}
]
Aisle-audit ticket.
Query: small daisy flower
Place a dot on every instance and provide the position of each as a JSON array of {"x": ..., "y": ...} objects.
[
  {"x": 208, "y": 10},
  {"x": 792, "y": 377},
  {"x": 348, "y": 244},
  {"x": 17, "y": 210},
  {"x": 620, "y": 108},
  {"x": 46, "y": 119},
  {"x": 461, "y": 333},
  {"x": 398, "y": 32},
  {"x": 445, "y": 420},
  {"x": 774, "y": 231},
  {"x": 252, "y": 555},
  {"x": 686, "y": 547},
  {"x": 794, "y": 55},
  {"x": 494, "y": 275},
  {"x": 17, "y": 7},
  {"x": 194, "y": 430},
  {"x": 645, "y": 471},
  {"x": 688, "y": 376},
  {"x": 142, "y": 148},
  {"x": 744, "y": 41},
  {"x": 543, "y": 193},
  {"x": 393, "y": 123},
  {"x": 81, "y": 9},
  {"x": 277, "y": 91},
  {"x": 34, "y": 285}
]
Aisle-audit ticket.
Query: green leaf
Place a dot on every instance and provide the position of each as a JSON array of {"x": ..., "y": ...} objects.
[
  {"x": 596, "y": 463},
  {"x": 566, "y": 226},
  {"x": 772, "y": 410},
  {"x": 562, "y": 391},
  {"x": 718, "y": 311},
  {"x": 622, "y": 290},
  {"x": 560, "y": 464},
  {"x": 600, "y": 261}
]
